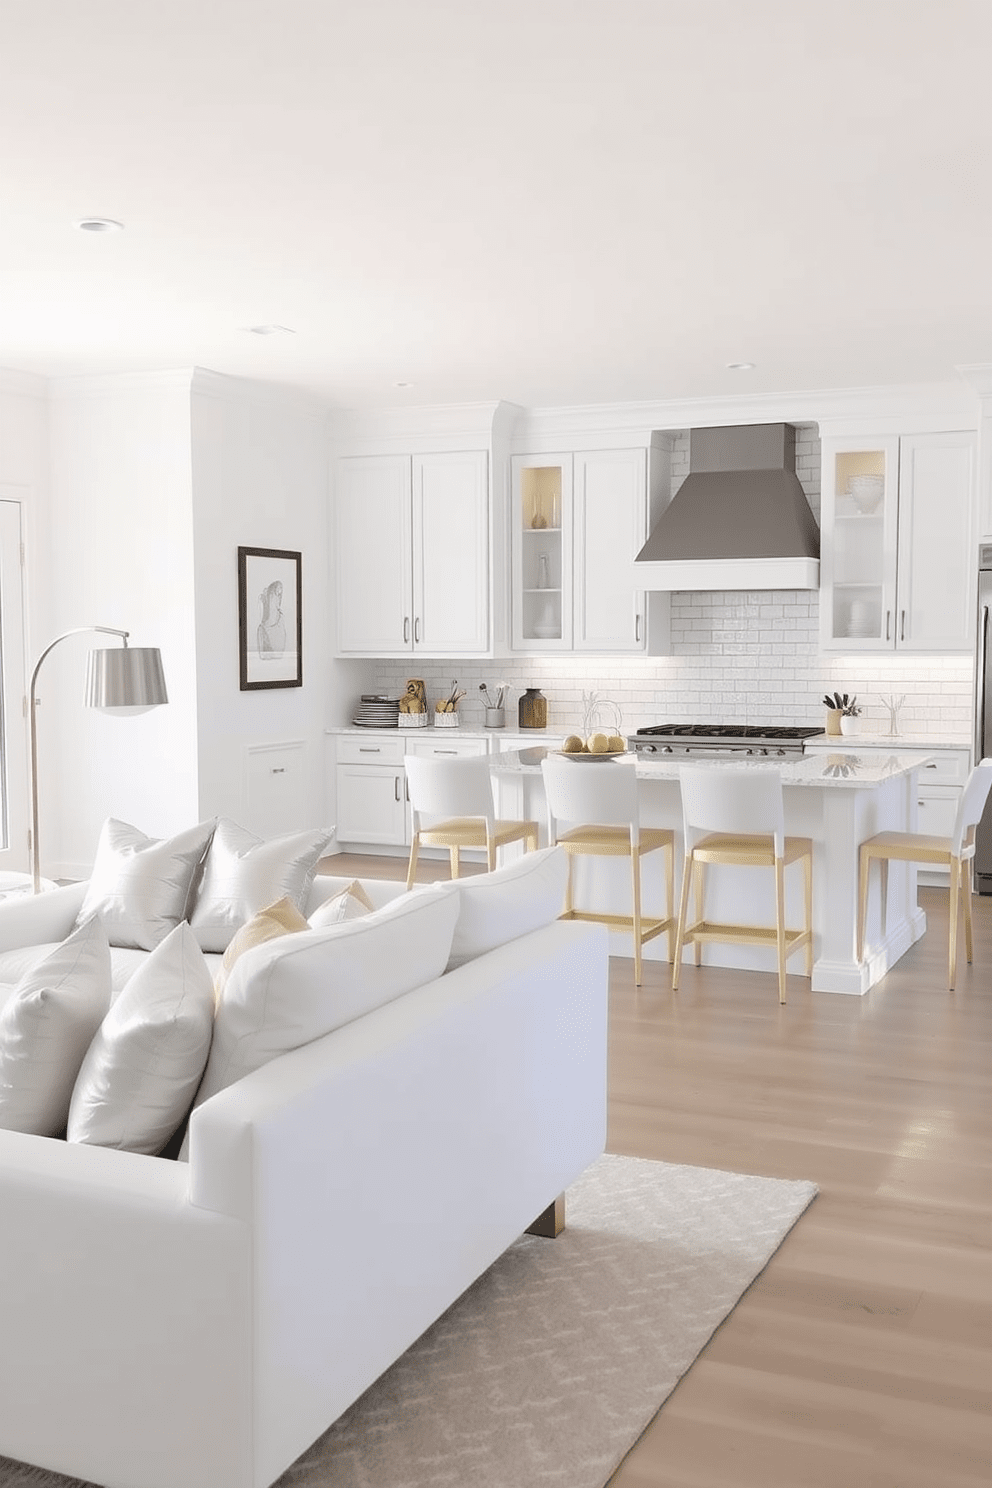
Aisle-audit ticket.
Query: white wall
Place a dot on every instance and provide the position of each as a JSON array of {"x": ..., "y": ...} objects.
[
  {"x": 260, "y": 479},
  {"x": 120, "y": 553}
]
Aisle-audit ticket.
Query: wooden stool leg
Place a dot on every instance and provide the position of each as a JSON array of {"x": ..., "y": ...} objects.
[
  {"x": 680, "y": 932},
  {"x": 455, "y": 855},
  {"x": 865, "y": 867},
  {"x": 491, "y": 852},
  {"x": 780, "y": 924},
  {"x": 670, "y": 898},
  {"x": 808, "y": 887},
  {"x": 698, "y": 891},
  {"x": 966, "y": 890},
  {"x": 952, "y": 943},
  {"x": 635, "y": 884},
  {"x": 411, "y": 872}
]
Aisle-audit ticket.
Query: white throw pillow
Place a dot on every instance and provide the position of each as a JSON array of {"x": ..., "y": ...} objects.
[
  {"x": 296, "y": 989},
  {"x": 242, "y": 873},
  {"x": 140, "y": 886},
  {"x": 509, "y": 902},
  {"x": 46, "y": 1028},
  {"x": 349, "y": 903},
  {"x": 140, "y": 1073}
]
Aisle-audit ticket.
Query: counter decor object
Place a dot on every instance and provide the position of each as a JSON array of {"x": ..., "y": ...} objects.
[
  {"x": 839, "y": 706},
  {"x": 446, "y": 709},
  {"x": 893, "y": 704},
  {"x": 532, "y": 709},
  {"x": 866, "y": 492},
  {"x": 413, "y": 704},
  {"x": 495, "y": 711}
]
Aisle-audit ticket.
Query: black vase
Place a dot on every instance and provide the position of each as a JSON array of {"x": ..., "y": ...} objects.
[{"x": 532, "y": 710}]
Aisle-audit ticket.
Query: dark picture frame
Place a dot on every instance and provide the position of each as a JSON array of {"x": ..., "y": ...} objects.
[{"x": 270, "y": 618}]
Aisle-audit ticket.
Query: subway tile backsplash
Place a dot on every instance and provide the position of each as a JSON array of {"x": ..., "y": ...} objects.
[{"x": 737, "y": 657}]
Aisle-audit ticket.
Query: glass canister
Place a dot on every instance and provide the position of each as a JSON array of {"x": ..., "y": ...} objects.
[{"x": 532, "y": 709}]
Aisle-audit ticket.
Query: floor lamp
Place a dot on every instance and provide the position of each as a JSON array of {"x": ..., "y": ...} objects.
[{"x": 130, "y": 677}]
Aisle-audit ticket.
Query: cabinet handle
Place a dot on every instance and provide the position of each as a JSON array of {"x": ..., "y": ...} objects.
[
  {"x": 444, "y": 751},
  {"x": 888, "y": 625},
  {"x": 278, "y": 770},
  {"x": 416, "y": 631},
  {"x": 931, "y": 766},
  {"x": 902, "y": 626},
  {"x": 637, "y": 628},
  {"x": 369, "y": 749},
  {"x": 396, "y": 787}
]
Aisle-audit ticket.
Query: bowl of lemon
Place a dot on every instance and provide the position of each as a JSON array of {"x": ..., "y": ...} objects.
[{"x": 597, "y": 746}]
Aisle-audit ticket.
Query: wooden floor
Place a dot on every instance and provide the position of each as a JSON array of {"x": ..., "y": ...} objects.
[{"x": 862, "y": 1356}]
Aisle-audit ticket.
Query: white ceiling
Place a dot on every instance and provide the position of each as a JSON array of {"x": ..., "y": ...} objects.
[{"x": 546, "y": 201}]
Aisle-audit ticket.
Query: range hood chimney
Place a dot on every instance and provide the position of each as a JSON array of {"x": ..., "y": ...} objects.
[{"x": 740, "y": 519}]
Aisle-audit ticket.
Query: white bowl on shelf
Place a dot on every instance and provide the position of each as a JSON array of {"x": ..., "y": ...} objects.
[{"x": 866, "y": 491}]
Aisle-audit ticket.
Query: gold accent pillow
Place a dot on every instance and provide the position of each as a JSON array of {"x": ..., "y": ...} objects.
[
  {"x": 281, "y": 918},
  {"x": 349, "y": 903}
]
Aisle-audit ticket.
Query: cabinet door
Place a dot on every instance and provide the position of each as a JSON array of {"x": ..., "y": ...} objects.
[
  {"x": 860, "y": 505},
  {"x": 372, "y": 559},
  {"x": 541, "y": 553},
  {"x": 609, "y": 525},
  {"x": 451, "y": 554},
  {"x": 371, "y": 804},
  {"x": 936, "y": 589}
]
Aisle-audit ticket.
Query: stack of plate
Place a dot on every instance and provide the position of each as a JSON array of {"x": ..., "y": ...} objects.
[{"x": 375, "y": 711}]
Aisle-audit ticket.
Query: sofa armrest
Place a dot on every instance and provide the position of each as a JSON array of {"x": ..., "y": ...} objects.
[
  {"x": 386, "y": 1166},
  {"x": 126, "y": 1320},
  {"x": 37, "y": 919}
]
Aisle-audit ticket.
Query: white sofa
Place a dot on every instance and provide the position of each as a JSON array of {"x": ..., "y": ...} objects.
[{"x": 198, "y": 1325}]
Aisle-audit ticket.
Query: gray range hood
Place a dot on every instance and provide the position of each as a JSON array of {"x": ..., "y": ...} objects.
[{"x": 740, "y": 519}]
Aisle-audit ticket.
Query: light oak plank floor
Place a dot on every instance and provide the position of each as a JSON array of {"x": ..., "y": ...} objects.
[{"x": 862, "y": 1356}]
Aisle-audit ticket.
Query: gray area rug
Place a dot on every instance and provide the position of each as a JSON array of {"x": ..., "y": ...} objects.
[{"x": 548, "y": 1369}]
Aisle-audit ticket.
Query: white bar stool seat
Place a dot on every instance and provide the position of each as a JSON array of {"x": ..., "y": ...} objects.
[
  {"x": 601, "y": 803},
  {"x": 451, "y": 802},
  {"x": 737, "y": 817},
  {"x": 955, "y": 852}
]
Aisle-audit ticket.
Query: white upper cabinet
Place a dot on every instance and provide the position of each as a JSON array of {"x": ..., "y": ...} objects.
[
  {"x": 412, "y": 554},
  {"x": 897, "y": 543},
  {"x": 578, "y": 521}
]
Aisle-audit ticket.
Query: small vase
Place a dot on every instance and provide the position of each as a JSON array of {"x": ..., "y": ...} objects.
[
  {"x": 849, "y": 724},
  {"x": 532, "y": 709},
  {"x": 833, "y": 721}
]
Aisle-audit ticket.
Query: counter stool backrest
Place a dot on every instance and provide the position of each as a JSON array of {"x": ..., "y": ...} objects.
[
  {"x": 451, "y": 787},
  {"x": 577, "y": 793},
  {"x": 971, "y": 805},
  {"x": 738, "y": 803}
]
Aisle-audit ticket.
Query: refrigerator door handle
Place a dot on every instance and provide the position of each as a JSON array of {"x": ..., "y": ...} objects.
[{"x": 983, "y": 683}]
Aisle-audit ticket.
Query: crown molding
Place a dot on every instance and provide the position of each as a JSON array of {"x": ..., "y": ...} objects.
[
  {"x": 429, "y": 427},
  {"x": 209, "y": 384},
  {"x": 104, "y": 384}
]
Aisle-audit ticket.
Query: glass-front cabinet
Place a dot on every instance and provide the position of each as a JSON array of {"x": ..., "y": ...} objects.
[
  {"x": 860, "y": 496},
  {"x": 542, "y": 487}
]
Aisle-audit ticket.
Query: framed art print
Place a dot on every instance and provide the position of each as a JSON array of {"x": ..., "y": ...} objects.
[{"x": 270, "y": 618}]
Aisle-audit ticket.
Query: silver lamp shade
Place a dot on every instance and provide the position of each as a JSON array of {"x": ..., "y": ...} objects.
[{"x": 126, "y": 677}]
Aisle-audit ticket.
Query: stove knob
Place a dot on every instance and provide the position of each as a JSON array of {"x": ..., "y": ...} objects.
[
  {"x": 647, "y": 748},
  {"x": 668, "y": 749}
]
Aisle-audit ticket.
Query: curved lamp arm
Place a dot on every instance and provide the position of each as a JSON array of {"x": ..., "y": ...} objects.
[{"x": 152, "y": 692}]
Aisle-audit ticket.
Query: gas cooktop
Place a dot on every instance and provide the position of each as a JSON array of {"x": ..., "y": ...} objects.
[{"x": 726, "y": 731}]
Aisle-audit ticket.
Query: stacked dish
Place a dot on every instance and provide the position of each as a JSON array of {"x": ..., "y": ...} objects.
[{"x": 376, "y": 711}]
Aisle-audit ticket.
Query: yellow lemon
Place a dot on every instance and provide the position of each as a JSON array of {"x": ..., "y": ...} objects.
[
  {"x": 598, "y": 743},
  {"x": 616, "y": 743},
  {"x": 573, "y": 745}
]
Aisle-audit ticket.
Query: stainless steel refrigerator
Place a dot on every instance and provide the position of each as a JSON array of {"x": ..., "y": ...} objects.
[{"x": 983, "y": 713}]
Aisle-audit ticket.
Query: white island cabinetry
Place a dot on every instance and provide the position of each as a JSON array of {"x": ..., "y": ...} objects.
[
  {"x": 897, "y": 550},
  {"x": 412, "y": 554}
]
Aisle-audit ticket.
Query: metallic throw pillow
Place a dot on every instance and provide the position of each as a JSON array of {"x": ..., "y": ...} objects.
[
  {"x": 242, "y": 874},
  {"x": 140, "y": 886}
]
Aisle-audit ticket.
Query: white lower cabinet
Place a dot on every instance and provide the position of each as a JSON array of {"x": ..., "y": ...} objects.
[{"x": 371, "y": 791}]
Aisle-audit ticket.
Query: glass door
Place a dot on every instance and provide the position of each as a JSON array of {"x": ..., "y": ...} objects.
[
  {"x": 860, "y": 528},
  {"x": 542, "y": 566}
]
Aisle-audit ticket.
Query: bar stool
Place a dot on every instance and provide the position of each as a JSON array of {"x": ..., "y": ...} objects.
[
  {"x": 953, "y": 852},
  {"x": 600, "y": 800},
  {"x": 460, "y": 793},
  {"x": 737, "y": 817}
]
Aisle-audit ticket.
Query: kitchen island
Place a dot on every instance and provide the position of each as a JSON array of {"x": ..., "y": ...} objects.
[{"x": 836, "y": 799}]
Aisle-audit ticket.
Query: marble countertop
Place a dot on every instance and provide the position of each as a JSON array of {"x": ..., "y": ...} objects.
[
  {"x": 887, "y": 741},
  {"x": 463, "y": 732},
  {"x": 843, "y": 770}
]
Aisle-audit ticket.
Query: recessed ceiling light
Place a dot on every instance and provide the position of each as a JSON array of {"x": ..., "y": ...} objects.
[
  {"x": 99, "y": 225},
  {"x": 271, "y": 330},
  {"x": 740, "y": 366}
]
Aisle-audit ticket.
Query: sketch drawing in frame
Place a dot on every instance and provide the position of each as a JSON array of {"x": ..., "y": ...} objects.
[{"x": 270, "y": 618}]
